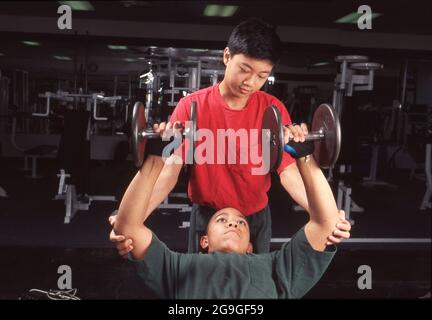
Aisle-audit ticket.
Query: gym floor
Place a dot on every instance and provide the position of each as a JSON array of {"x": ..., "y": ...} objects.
[{"x": 35, "y": 242}]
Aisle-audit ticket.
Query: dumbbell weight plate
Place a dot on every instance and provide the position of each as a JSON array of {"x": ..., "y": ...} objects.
[
  {"x": 326, "y": 150},
  {"x": 273, "y": 122},
  {"x": 191, "y": 133},
  {"x": 139, "y": 123}
]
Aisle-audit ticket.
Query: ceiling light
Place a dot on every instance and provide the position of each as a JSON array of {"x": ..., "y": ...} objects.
[
  {"x": 354, "y": 16},
  {"x": 79, "y": 5},
  {"x": 215, "y": 10},
  {"x": 117, "y": 47},
  {"x": 199, "y": 50},
  {"x": 31, "y": 43},
  {"x": 319, "y": 64},
  {"x": 62, "y": 58}
]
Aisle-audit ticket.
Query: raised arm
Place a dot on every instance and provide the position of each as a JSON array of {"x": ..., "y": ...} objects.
[
  {"x": 133, "y": 210},
  {"x": 166, "y": 182},
  {"x": 323, "y": 212},
  {"x": 291, "y": 180},
  {"x": 169, "y": 176}
]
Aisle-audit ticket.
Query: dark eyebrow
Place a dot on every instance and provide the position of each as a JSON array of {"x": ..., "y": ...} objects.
[
  {"x": 225, "y": 214},
  {"x": 250, "y": 67}
]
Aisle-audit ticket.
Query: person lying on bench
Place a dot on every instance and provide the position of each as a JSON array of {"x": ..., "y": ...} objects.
[{"x": 229, "y": 269}]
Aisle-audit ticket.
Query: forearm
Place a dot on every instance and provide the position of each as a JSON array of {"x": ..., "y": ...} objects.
[
  {"x": 165, "y": 183},
  {"x": 133, "y": 208},
  {"x": 292, "y": 181},
  {"x": 323, "y": 212},
  {"x": 322, "y": 205}
]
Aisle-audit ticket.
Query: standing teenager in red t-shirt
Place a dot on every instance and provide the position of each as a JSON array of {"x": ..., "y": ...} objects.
[{"x": 235, "y": 103}]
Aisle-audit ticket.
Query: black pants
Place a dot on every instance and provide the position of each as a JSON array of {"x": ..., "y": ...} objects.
[{"x": 259, "y": 225}]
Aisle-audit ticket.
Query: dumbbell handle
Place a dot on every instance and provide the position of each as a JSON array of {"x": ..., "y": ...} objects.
[
  {"x": 298, "y": 149},
  {"x": 314, "y": 135},
  {"x": 151, "y": 134}
]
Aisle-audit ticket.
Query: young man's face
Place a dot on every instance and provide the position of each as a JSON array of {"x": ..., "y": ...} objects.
[
  {"x": 245, "y": 75},
  {"x": 227, "y": 231}
]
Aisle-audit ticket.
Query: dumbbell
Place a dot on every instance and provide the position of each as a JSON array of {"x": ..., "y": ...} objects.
[
  {"x": 141, "y": 132},
  {"x": 325, "y": 133}
]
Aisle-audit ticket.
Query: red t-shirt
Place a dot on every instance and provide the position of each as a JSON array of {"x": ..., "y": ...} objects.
[{"x": 229, "y": 184}]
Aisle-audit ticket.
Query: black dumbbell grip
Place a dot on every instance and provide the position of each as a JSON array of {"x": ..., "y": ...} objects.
[{"x": 299, "y": 149}]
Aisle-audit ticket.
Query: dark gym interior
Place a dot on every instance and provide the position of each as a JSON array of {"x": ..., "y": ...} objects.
[{"x": 66, "y": 99}]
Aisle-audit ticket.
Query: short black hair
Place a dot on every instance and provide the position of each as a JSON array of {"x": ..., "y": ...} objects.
[{"x": 256, "y": 39}]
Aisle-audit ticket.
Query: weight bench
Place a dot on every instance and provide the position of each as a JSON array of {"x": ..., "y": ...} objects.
[{"x": 67, "y": 192}]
